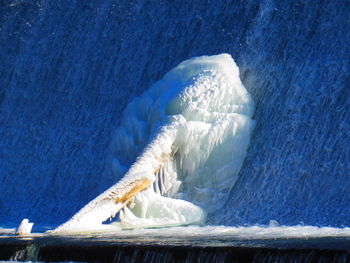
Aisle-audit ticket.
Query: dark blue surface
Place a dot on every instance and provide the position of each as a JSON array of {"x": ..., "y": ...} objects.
[{"x": 68, "y": 68}]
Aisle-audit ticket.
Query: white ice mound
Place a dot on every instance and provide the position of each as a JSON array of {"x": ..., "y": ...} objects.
[
  {"x": 25, "y": 227},
  {"x": 192, "y": 129}
]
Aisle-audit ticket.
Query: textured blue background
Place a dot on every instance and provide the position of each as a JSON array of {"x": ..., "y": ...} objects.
[{"x": 68, "y": 68}]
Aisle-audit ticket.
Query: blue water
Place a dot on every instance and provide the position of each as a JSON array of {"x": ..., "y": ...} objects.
[{"x": 69, "y": 68}]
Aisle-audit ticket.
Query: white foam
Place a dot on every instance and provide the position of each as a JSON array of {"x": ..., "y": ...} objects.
[
  {"x": 212, "y": 233},
  {"x": 7, "y": 231},
  {"x": 260, "y": 232},
  {"x": 194, "y": 125}
]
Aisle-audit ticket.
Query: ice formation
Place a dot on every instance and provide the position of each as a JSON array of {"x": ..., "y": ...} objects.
[
  {"x": 193, "y": 128},
  {"x": 25, "y": 227}
]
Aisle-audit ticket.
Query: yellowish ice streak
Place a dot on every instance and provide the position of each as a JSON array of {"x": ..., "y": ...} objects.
[{"x": 140, "y": 185}]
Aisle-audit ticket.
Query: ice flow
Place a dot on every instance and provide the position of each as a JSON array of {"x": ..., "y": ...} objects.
[{"x": 189, "y": 134}]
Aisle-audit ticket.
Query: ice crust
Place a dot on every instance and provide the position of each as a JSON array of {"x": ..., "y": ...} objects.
[{"x": 195, "y": 125}]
